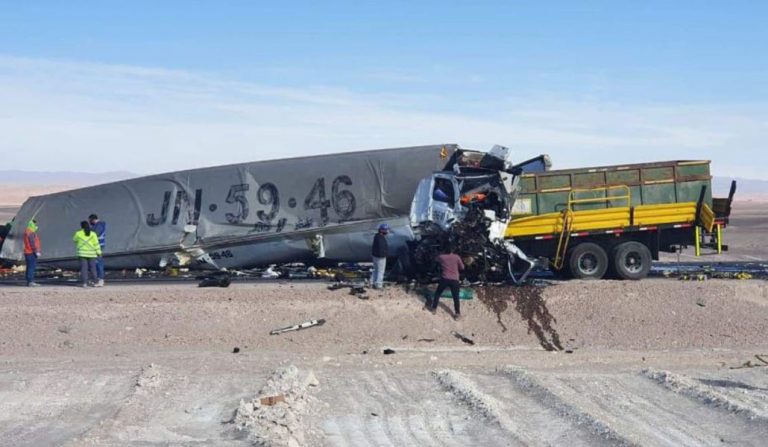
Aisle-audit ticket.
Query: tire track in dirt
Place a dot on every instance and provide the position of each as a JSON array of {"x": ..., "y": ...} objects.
[
  {"x": 467, "y": 392},
  {"x": 409, "y": 410},
  {"x": 628, "y": 410},
  {"x": 548, "y": 426},
  {"x": 389, "y": 406},
  {"x": 353, "y": 427},
  {"x": 444, "y": 420},
  {"x": 427, "y": 435},
  {"x": 536, "y": 390},
  {"x": 745, "y": 401}
]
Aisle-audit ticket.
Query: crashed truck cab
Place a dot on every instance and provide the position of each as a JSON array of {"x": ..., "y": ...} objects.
[{"x": 468, "y": 206}]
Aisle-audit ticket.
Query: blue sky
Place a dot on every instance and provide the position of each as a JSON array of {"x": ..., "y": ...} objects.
[{"x": 155, "y": 86}]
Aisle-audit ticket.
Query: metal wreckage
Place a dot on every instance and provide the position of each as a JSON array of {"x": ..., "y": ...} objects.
[
  {"x": 503, "y": 218},
  {"x": 318, "y": 209}
]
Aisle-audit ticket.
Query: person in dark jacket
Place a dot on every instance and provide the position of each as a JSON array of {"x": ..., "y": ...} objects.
[
  {"x": 379, "y": 252},
  {"x": 100, "y": 228},
  {"x": 450, "y": 266}
]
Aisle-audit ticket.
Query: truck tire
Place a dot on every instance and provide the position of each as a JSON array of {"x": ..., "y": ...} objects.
[
  {"x": 631, "y": 260},
  {"x": 588, "y": 261}
]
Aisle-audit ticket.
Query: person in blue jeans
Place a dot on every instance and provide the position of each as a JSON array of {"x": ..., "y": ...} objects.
[
  {"x": 31, "y": 251},
  {"x": 100, "y": 228},
  {"x": 379, "y": 253}
]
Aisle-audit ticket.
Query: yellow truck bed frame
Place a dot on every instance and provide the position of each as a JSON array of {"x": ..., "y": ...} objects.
[{"x": 617, "y": 219}]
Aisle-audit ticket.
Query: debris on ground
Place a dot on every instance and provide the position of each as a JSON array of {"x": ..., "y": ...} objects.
[
  {"x": 718, "y": 270},
  {"x": 298, "y": 327},
  {"x": 216, "y": 279},
  {"x": 389, "y": 351},
  {"x": 465, "y": 293},
  {"x": 466, "y": 340},
  {"x": 276, "y": 416},
  {"x": 748, "y": 364},
  {"x": 272, "y": 400},
  {"x": 270, "y": 273}
]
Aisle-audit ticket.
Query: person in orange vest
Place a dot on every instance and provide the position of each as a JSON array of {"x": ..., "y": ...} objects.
[{"x": 31, "y": 251}]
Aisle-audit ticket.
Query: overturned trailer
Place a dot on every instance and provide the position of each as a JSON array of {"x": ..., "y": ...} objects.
[
  {"x": 244, "y": 215},
  {"x": 240, "y": 215}
]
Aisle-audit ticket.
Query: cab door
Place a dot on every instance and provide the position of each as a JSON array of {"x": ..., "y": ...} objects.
[{"x": 436, "y": 200}]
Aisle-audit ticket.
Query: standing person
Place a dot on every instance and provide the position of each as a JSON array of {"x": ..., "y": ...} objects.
[
  {"x": 88, "y": 250},
  {"x": 450, "y": 266},
  {"x": 101, "y": 231},
  {"x": 379, "y": 251},
  {"x": 31, "y": 251}
]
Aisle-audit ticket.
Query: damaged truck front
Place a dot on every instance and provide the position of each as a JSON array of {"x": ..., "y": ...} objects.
[{"x": 466, "y": 208}]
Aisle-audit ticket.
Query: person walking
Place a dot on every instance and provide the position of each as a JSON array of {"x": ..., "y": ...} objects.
[
  {"x": 450, "y": 266},
  {"x": 31, "y": 251},
  {"x": 379, "y": 252},
  {"x": 88, "y": 250},
  {"x": 100, "y": 228}
]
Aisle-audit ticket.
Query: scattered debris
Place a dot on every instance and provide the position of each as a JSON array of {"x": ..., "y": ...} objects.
[
  {"x": 270, "y": 273},
  {"x": 64, "y": 329},
  {"x": 272, "y": 400},
  {"x": 426, "y": 340},
  {"x": 717, "y": 270},
  {"x": 389, "y": 351},
  {"x": 216, "y": 279},
  {"x": 298, "y": 327},
  {"x": 465, "y": 293},
  {"x": 748, "y": 364},
  {"x": 236, "y": 350},
  {"x": 466, "y": 340}
]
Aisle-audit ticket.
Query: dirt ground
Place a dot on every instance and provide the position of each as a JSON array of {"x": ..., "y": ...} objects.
[
  {"x": 656, "y": 362},
  {"x": 606, "y": 363}
]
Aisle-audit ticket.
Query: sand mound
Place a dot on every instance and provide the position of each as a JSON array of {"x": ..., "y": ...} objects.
[{"x": 276, "y": 416}]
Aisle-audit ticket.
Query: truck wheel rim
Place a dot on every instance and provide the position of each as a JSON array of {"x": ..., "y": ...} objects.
[
  {"x": 588, "y": 263},
  {"x": 633, "y": 262}
]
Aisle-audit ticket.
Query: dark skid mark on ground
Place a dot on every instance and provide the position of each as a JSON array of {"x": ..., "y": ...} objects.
[{"x": 530, "y": 305}]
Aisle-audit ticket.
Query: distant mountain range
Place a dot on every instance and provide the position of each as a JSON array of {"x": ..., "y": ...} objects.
[
  {"x": 721, "y": 186},
  {"x": 74, "y": 179}
]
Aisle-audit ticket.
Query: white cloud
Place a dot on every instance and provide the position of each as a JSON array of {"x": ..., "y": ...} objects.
[{"x": 58, "y": 115}]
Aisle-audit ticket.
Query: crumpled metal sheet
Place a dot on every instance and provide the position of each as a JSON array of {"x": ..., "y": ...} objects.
[{"x": 280, "y": 202}]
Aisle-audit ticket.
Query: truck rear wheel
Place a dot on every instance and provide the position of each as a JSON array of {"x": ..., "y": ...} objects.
[
  {"x": 588, "y": 261},
  {"x": 631, "y": 260}
]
